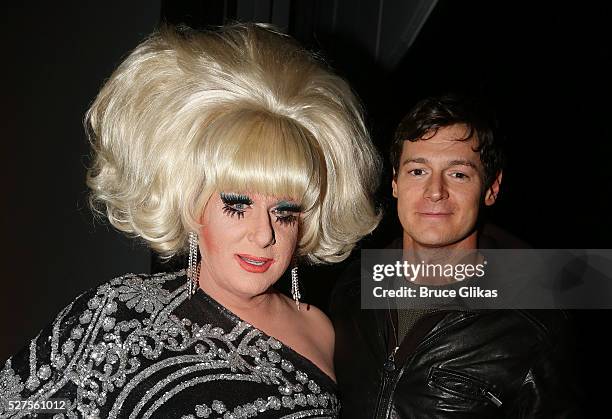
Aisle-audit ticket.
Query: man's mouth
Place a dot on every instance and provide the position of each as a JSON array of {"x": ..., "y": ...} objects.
[
  {"x": 434, "y": 214},
  {"x": 253, "y": 264}
]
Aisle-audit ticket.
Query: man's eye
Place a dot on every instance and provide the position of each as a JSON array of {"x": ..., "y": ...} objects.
[
  {"x": 460, "y": 175},
  {"x": 417, "y": 172}
]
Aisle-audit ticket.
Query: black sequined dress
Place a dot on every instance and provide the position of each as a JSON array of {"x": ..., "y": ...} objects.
[{"x": 138, "y": 347}]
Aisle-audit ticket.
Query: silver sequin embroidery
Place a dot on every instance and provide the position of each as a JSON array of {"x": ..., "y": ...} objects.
[{"x": 103, "y": 358}]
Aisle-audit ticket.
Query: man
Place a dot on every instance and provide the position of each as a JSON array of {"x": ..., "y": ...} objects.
[{"x": 447, "y": 166}]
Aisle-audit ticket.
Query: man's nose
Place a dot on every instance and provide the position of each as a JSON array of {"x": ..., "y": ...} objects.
[
  {"x": 261, "y": 230},
  {"x": 435, "y": 189}
]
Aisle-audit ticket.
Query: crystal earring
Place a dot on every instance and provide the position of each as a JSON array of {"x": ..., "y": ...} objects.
[
  {"x": 295, "y": 286},
  {"x": 193, "y": 268}
]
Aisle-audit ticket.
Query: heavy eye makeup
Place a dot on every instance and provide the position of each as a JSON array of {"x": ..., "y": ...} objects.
[
  {"x": 235, "y": 204},
  {"x": 285, "y": 212}
]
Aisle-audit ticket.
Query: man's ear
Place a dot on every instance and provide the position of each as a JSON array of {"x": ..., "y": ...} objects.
[
  {"x": 493, "y": 191},
  {"x": 394, "y": 184}
]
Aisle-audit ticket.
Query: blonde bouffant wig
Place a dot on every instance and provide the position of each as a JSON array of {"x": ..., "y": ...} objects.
[{"x": 240, "y": 109}]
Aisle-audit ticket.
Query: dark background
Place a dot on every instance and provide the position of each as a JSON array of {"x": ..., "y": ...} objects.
[{"x": 545, "y": 68}]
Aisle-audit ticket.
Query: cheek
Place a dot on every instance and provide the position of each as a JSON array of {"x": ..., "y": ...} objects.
[
  {"x": 469, "y": 202},
  {"x": 288, "y": 240},
  {"x": 219, "y": 234},
  {"x": 409, "y": 191},
  {"x": 208, "y": 241},
  {"x": 407, "y": 200}
]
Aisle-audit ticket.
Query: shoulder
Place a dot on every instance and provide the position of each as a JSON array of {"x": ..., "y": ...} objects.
[
  {"x": 346, "y": 294},
  {"x": 552, "y": 325},
  {"x": 155, "y": 284},
  {"x": 536, "y": 327},
  {"x": 315, "y": 324},
  {"x": 143, "y": 292},
  {"x": 100, "y": 309},
  {"x": 543, "y": 324},
  {"x": 321, "y": 329},
  {"x": 318, "y": 319},
  {"x": 319, "y": 332},
  {"x": 127, "y": 295},
  {"x": 82, "y": 332},
  {"x": 308, "y": 314}
]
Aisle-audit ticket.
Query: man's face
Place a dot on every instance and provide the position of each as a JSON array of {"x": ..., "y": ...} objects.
[{"x": 439, "y": 187}]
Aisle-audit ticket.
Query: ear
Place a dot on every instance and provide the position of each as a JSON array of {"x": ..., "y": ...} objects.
[
  {"x": 394, "y": 184},
  {"x": 493, "y": 191}
]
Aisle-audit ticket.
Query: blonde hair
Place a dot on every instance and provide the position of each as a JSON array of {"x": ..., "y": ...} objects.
[{"x": 239, "y": 109}]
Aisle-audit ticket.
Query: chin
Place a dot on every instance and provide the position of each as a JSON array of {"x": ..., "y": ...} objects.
[
  {"x": 251, "y": 290},
  {"x": 259, "y": 283},
  {"x": 434, "y": 244},
  {"x": 431, "y": 238},
  {"x": 437, "y": 241}
]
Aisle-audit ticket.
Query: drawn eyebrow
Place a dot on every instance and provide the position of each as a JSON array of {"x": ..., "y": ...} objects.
[
  {"x": 233, "y": 198},
  {"x": 288, "y": 206}
]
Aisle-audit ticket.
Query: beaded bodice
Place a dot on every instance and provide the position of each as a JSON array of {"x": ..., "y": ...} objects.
[{"x": 138, "y": 347}]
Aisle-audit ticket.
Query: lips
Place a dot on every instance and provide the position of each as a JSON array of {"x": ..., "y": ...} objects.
[
  {"x": 253, "y": 264},
  {"x": 434, "y": 217},
  {"x": 434, "y": 214}
]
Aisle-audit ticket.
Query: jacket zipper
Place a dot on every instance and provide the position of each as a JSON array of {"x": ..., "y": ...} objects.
[
  {"x": 495, "y": 400},
  {"x": 390, "y": 373}
]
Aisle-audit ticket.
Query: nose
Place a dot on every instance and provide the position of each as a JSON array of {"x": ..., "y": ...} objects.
[
  {"x": 261, "y": 229},
  {"x": 435, "y": 190}
]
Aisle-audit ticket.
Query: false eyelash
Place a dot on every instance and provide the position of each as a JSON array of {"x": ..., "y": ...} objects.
[
  {"x": 231, "y": 211},
  {"x": 291, "y": 209},
  {"x": 231, "y": 199},
  {"x": 286, "y": 220}
]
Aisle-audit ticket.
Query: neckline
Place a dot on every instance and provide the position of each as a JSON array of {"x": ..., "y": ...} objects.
[{"x": 203, "y": 295}]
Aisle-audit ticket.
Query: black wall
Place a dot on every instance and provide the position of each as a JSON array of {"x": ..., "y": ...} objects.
[
  {"x": 545, "y": 68},
  {"x": 55, "y": 57}
]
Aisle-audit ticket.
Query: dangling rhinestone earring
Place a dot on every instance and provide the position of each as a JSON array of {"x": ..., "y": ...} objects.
[
  {"x": 295, "y": 286},
  {"x": 193, "y": 268}
]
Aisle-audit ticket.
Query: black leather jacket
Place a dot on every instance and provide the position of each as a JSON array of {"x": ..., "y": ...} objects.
[{"x": 452, "y": 364}]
